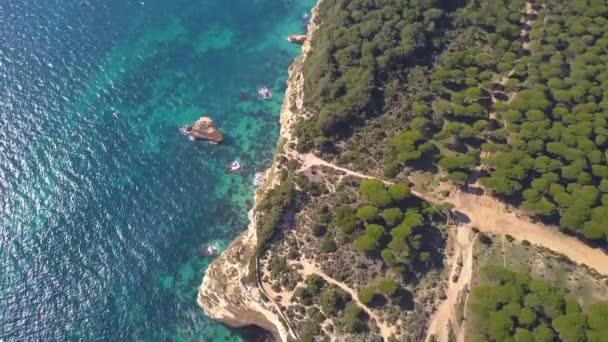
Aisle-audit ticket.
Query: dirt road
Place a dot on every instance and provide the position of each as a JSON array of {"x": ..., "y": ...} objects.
[{"x": 445, "y": 317}]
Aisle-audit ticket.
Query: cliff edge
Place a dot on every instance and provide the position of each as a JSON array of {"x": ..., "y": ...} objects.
[{"x": 226, "y": 294}]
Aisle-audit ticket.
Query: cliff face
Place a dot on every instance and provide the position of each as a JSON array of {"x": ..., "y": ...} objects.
[{"x": 223, "y": 295}]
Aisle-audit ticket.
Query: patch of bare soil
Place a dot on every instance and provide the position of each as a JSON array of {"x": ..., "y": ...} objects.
[
  {"x": 491, "y": 216},
  {"x": 445, "y": 317}
]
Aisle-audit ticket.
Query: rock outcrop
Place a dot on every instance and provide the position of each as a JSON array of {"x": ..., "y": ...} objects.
[
  {"x": 204, "y": 129},
  {"x": 297, "y": 38}
]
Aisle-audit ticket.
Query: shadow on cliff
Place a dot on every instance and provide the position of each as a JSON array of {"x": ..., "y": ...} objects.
[{"x": 254, "y": 333}]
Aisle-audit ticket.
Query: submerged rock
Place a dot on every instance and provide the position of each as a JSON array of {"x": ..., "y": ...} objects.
[
  {"x": 204, "y": 129},
  {"x": 297, "y": 38}
]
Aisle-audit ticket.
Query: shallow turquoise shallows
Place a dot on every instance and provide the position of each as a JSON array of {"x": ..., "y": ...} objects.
[{"x": 104, "y": 205}]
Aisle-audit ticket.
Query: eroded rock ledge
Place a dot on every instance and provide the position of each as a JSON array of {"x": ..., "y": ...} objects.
[
  {"x": 226, "y": 294},
  {"x": 297, "y": 38},
  {"x": 225, "y": 297}
]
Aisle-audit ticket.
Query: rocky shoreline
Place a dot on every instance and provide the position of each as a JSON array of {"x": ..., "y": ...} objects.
[{"x": 223, "y": 295}]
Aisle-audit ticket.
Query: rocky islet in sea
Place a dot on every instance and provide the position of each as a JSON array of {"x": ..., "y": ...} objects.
[{"x": 205, "y": 129}]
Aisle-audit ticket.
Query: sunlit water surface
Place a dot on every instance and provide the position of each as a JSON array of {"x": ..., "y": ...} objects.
[{"x": 104, "y": 206}]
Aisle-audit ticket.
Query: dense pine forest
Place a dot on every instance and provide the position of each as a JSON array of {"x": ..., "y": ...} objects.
[{"x": 516, "y": 307}]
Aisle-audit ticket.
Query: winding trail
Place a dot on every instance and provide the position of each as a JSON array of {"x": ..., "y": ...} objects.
[
  {"x": 309, "y": 160},
  {"x": 277, "y": 307},
  {"x": 309, "y": 268}
]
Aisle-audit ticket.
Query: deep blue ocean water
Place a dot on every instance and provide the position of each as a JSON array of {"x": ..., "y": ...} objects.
[{"x": 104, "y": 206}]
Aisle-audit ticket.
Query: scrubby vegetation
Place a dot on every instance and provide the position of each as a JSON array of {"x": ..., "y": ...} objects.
[
  {"x": 383, "y": 223},
  {"x": 380, "y": 241},
  {"x": 271, "y": 211},
  {"x": 516, "y": 307},
  {"x": 329, "y": 302},
  {"x": 329, "y": 232}
]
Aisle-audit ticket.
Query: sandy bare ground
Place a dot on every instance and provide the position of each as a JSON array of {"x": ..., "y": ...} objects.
[
  {"x": 491, "y": 216},
  {"x": 444, "y": 318},
  {"x": 309, "y": 268}
]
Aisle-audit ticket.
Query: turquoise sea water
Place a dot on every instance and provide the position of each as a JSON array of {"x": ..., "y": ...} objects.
[{"x": 104, "y": 206}]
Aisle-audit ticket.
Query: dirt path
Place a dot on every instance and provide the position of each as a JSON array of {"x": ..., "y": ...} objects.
[
  {"x": 467, "y": 240},
  {"x": 280, "y": 297},
  {"x": 309, "y": 160},
  {"x": 309, "y": 268},
  {"x": 491, "y": 216},
  {"x": 523, "y": 33},
  {"x": 445, "y": 317},
  {"x": 263, "y": 289}
]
